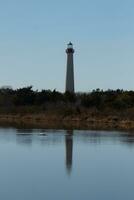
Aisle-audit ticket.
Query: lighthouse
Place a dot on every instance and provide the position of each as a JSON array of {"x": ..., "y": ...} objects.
[{"x": 70, "y": 69}]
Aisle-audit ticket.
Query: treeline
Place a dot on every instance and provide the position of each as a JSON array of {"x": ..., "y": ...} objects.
[
  {"x": 99, "y": 99},
  {"x": 115, "y": 99},
  {"x": 28, "y": 97}
]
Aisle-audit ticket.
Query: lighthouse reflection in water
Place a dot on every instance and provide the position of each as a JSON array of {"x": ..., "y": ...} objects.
[
  {"x": 69, "y": 150},
  {"x": 28, "y": 136},
  {"x": 66, "y": 164}
]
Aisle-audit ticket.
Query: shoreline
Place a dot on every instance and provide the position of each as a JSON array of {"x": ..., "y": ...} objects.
[{"x": 69, "y": 122}]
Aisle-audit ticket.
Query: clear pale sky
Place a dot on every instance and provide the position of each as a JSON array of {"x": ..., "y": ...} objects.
[{"x": 34, "y": 34}]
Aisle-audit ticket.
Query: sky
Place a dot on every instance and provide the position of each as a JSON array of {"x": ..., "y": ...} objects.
[{"x": 34, "y": 35}]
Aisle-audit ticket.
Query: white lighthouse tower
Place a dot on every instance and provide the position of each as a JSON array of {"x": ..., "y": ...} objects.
[{"x": 70, "y": 69}]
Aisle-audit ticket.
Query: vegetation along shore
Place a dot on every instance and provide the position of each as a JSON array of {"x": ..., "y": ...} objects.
[{"x": 50, "y": 109}]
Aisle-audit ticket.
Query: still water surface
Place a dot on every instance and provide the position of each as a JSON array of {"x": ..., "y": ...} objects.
[{"x": 66, "y": 165}]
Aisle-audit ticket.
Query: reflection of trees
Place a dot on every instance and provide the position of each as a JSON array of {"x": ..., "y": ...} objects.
[
  {"x": 69, "y": 150},
  {"x": 99, "y": 137},
  {"x": 24, "y": 139},
  {"x": 51, "y": 137},
  {"x": 127, "y": 138},
  {"x": 24, "y": 131},
  {"x": 24, "y": 136}
]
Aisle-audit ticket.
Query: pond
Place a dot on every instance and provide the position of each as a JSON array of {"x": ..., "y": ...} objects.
[{"x": 38, "y": 164}]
